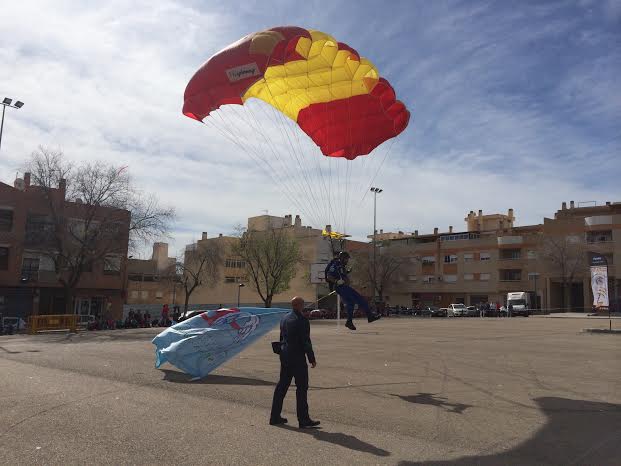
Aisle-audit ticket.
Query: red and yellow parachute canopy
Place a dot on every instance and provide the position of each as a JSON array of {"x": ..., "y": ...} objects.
[{"x": 337, "y": 97}]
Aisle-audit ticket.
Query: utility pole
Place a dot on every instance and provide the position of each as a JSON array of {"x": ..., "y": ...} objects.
[{"x": 375, "y": 192}]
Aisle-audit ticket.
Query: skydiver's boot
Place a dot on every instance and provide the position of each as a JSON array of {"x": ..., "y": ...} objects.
[{"x": 350, "y": 325}]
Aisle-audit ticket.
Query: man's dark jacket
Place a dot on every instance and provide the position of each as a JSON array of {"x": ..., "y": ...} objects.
[{"x": 295, "y": 342}]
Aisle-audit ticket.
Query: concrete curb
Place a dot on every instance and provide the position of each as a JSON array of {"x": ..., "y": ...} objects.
[{"x": 615, "y": 331}]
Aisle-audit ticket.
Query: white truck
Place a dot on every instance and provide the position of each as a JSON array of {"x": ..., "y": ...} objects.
[{"x": 520, "y": 302}]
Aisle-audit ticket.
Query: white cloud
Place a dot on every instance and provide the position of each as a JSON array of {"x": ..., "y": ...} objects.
[{"x": 106, "y": 82}]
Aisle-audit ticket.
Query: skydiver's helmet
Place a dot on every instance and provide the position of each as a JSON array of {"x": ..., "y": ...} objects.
[{"x": 344, "y": 255}]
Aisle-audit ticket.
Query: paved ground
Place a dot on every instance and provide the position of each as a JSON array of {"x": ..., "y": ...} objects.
[{"x": 400, "y": 391}]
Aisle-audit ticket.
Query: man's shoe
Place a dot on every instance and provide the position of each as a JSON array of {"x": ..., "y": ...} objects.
[
  {"x": 350, "y": 325},
  {"x": 374, "y": 317},
  {"x": 279, "y": 421},
  {"x": 309, "y": 424}
]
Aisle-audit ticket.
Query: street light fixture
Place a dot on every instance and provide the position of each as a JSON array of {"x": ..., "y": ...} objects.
[
  {"x": 239, "y": 287},
  {"x": 375, "y": 192},
  {"x": 6, "y": 102}
]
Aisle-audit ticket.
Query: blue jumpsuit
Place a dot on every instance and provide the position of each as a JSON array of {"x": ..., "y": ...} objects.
[{"x": 351, "y": 297}]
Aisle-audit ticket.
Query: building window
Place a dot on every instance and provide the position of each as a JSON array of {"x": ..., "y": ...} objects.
[
  {"x": 144, "y": 294},
  {"x": 485, "y": 256},
  {"x": 510, "y": 254},
  {"x": 532, "y": 255},
  {"x": 595, "y": 236},
  {"x": 510, "y": 275},
  {"x": 412, "y": 278},
  {"x": 159, "y": 295},
  {"x": 429, "y": 279},
  {"x": 235, "y": 263},
  {"x": 427, "y": 260},
  {"x": 484, "y": 277},
  {"x": 30, "y": 267},
  {"x": 6, "y": 220},
  {"x": 459, "y": 236},
  {"x": 4, "y": 258},
  {"x": 234, "y": 279},
  {"x": 450, "y": 278},
  {"x": 468, "y": 276},
  {"x": 112, "y": 265},
  {"x": 468, "y": 257},
  {"x": 449, "y": 259},
  {"x": 134, "y": 294},
  {"x": 39, "y": 230}
]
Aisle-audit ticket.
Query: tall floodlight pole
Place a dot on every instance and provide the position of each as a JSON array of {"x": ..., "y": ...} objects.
[
  {"x": 375, "y": 192},
  {"x": 7, "y": 102}
]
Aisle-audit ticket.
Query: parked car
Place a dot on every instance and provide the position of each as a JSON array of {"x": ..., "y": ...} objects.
[
  {"x": 10, "y": 325},
  {"x": 423, "y": 311},
  {"x": 316, "y": 314},
  {"x": 438, "y": 312},
  {"x": 17, "y": 323},
  {"x": 457, "y": 310},
  {"x": 472, "y": 311}
]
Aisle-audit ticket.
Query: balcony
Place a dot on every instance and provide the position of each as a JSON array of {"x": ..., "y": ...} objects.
[
  {"x": 509, "y": 240},
  {"x": 599, "y": 220}
]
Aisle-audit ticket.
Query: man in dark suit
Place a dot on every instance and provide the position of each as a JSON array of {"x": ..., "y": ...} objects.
[{"x": 295, "y": 347}]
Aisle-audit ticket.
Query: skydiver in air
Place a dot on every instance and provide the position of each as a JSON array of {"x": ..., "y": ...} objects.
[{"x": 338, "y": 279}]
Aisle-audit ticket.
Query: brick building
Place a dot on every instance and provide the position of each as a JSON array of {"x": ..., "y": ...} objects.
[
  {"x": 29, "y": 282},
  {"x": 153, "y": 281},
  {"x": 493, "y": 257},
  {"x": 315, "y": 249}
]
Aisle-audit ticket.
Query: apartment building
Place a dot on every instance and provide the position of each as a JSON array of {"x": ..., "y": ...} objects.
[
  {"x": 315, "y": 250},
  {"x": 492, "y": 257},
  {"x": 153, "y": 281},
  {"x": 29, "y": 283}
]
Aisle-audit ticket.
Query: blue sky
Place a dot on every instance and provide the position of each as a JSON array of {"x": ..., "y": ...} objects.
[{"x": 514, "y": 104}]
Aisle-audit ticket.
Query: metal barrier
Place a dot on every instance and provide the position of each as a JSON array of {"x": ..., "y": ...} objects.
[{"x": 42, "y": 323}]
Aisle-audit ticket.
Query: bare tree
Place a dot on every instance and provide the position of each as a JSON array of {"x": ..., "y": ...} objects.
[
  {"x": 566, "y": 254},
  {"x": 387, "y": 266},
  {"x": 95, "y": 214},
  {"x": 201, "y": 267},
  {"x": 271, "y": 257}
]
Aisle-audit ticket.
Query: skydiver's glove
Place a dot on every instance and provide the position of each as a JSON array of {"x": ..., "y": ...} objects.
[{"x": 340, "y": 282}]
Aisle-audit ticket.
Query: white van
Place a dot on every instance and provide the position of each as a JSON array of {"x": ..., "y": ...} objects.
[{"x": 520, "y": 300}]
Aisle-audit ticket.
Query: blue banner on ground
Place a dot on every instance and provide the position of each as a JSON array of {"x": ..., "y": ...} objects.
[{"x": 200, "y": 344}]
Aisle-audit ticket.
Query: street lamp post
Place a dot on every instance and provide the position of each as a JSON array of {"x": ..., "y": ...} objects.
[
  {"x": 7, "y": 102},
  {"x": 239, "y": 287},
  {"x": 375, "y": 192}
]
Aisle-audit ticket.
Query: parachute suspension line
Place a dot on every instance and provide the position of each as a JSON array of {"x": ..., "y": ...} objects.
[
  {"x": 326, "y": 202},
  {"x": 378, "y": 170},
  {"x": 284, "y": 131},
  {"x": 346, "y": 213},
  {"x": 306, "y": 189},
  {"x": 261, "y": 166},
  {"x": 347, "y": 196},
  {"x": 293, "y": 183},
  {"x": 255, "y": 157},
  {"x": 297, "y": 185}
]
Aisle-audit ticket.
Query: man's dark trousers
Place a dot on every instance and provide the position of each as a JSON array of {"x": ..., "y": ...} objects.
[
  {"x": 288, "y": 371},
  {"x": 352, "y": 297}
]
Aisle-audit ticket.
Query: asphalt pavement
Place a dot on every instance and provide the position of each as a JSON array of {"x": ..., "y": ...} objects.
[{"x": 400, "y": 391}]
